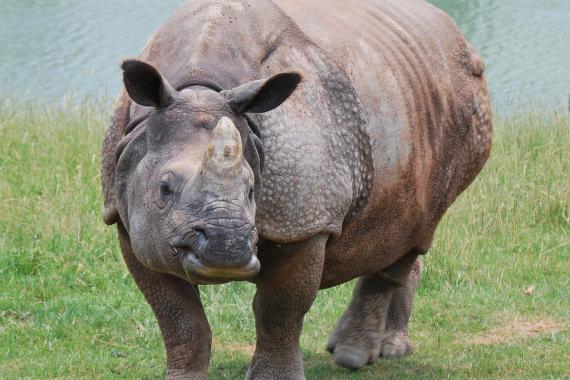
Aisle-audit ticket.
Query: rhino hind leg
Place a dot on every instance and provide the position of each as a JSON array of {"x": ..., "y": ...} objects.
[
  {"x": 375, "y": 322},
  {"x": 395, "y": 341}
]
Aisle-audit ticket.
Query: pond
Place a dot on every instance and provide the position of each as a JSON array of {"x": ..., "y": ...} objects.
[{"x": 59, "y": 47}]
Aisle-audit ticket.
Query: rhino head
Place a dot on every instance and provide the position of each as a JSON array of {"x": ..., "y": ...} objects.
[{"x": 184, "y": 188}]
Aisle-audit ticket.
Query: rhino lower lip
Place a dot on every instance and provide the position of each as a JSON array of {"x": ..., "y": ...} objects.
[{"x": 195, "y": 268}]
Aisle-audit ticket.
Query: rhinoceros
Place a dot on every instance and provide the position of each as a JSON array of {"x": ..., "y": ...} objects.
[{"x": 296, "y": 145}]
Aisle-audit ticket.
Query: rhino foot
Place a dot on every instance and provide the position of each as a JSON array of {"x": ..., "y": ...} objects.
[
  {"x": 267, "y": 368},
  {"x": 352, "y": 347},
  {"x": 396, "y": 344},
  {"x": 272, "y": 375},
  {"x": 353, "y": 357},
  {"x": 355, "y": 353}
]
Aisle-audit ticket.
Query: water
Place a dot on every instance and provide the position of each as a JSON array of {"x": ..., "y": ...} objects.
[
  {"x": 52, "y": 48},
  {"x": 525, "y": 43},
  {"x": 49, "y": 48}
]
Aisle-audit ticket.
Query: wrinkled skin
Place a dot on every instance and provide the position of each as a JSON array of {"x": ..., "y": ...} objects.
[{"x": 344, "y": 175}]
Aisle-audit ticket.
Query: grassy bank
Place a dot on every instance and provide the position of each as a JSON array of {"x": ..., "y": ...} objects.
[{"x": 494, "y": 300}]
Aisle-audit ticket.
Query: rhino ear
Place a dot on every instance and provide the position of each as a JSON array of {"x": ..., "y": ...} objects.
[
  {"x": 145, "y": 85},
  {"x": 262, "y": 95}
]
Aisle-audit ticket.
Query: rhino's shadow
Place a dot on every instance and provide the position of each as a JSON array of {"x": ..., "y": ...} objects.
[{"x": 320, "y": 365}]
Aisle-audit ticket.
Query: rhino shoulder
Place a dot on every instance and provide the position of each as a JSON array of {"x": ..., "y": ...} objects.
[{"x": 319, "y": 168}]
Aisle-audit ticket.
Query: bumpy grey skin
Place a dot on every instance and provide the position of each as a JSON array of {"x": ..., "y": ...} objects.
[{"x": 351, "y": 171}]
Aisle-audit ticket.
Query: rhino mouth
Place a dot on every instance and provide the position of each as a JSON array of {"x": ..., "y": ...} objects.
[{"x": 199, "y": 271}]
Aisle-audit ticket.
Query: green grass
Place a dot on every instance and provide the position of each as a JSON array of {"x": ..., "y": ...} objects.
[{"x": 69, "y": 309}]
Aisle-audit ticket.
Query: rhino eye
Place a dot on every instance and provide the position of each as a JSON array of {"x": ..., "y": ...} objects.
[
  {"x": 165, "y": 189},
  {"x": 250, "y": 195}
]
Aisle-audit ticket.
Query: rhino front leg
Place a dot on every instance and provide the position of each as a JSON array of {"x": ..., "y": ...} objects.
[
  {"x": 286, "y": 288},
  {"x": 358, "y": 337},
  {"x": 178, "y": 309}
]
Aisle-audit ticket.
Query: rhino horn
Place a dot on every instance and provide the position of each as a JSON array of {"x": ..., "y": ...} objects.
[{"x": 224, "y": 155}]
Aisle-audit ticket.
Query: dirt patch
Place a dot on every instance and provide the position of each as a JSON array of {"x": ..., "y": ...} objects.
[
  {"x": 517, "y": 329},
  {"x": 17, "y": 316},
  {"x": 248, "y": 349},
  {"x": 14, "y": 319},
  {"x": 244, "y": 348}
]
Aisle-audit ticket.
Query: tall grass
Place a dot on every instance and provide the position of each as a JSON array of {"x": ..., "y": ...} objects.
[{"x": 499, "y": 267}]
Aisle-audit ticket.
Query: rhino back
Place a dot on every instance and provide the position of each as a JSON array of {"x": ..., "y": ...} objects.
[
  {"x": 417, "y": 80},
  {"x": 429, "y": 119},
  {"x": 414, "y": 74}
]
